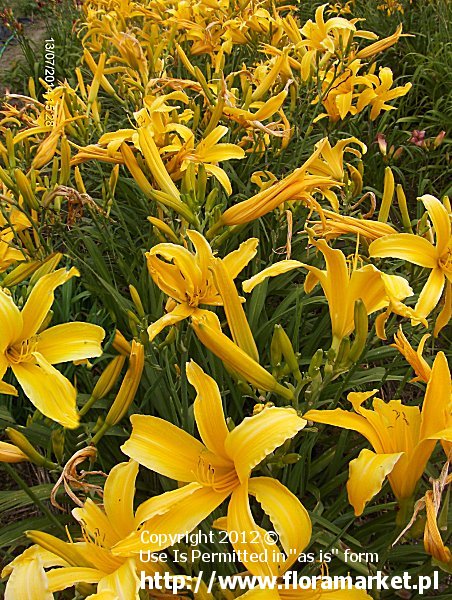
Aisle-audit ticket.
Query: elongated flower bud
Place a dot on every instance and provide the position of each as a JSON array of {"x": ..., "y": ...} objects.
[
  {"x": 129, "y": 385},
  {"x": 25, "y": 189},
  {"x": 27, "y": 448},
  {"x": 388, "y": 194},
  {"x": 361, "y": 331},
  {"x": 120, "y": 344}
]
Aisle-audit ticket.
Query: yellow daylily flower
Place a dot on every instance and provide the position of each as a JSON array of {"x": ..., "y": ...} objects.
[
  {"x": 414, "y": 357},
  {"x": 335, "y": 225},
  {"x": 219, "y": 467},
  {"x": 299, "y": 185},
  {"x": 10, "y": 453},
  {"x": 208, "y": 152},
  {"x": 420, "y": 251},
  {"x": 342, "y": 287},
  {"x": 91, "y": 560},
  {"x": 31, "y": 352},
  {"x": 187, "y": 279},
  {"x": 403, "y": 437}
]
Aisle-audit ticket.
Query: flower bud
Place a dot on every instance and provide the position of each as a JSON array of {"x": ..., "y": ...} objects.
[
  {"x": 27, "y": 448},
  {"x": 128, "y": 387}
]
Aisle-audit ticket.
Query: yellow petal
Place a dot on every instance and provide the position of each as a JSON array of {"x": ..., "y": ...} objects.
[
  {"x": 122, "y": 583},
  {"x": 96, "y": 523},
  {"x": 70, "y": 341},
  {"x": 11, "y": 321},
  {"x": 220, "y": 174},
  {"x": 441, "y": 222},
  {"x": 61, "y": 579},
  {"x": 48, "y": 390},
  {"x": 237, "y": 260},
  {"x": 119, "y": 493},
  {"x": 163, "y": 447},
  {"x": 367, "y": 473},
  {"x": 406, "y": 246},
  {"x": 431, "y": 293},
  {"x": 11, "y": 454},
  {"x": 446, "y": 312},
  {"x": 155, "y": 163},
  {"x": 235, "y": 315},
  {"x": 208, "y": 410},
  {"x": 161, "y": 504},
  {"x": 28, "y": 581},
  {"x": 251, "y": 538},
  {"x": 288, "y": 516},
  {"x": 277, "y": 269},
  {"x": 182, "y": 518},
  {"x": 41, "y": 299},
  {"x": 433, "y": 543},
  {"x": 436, "y": 405},
  {"x": 256, "y": 437},
  {"x": 346, "y": 420},
  {"x": 181, "y": 312}
]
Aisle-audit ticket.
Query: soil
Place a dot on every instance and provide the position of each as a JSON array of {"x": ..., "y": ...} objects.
[{"x": 35, "y": 31}]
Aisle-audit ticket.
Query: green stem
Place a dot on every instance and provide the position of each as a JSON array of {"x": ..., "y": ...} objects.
[
  {"x": 104, "y": 428},
  {"x": 21, "y": 483}
]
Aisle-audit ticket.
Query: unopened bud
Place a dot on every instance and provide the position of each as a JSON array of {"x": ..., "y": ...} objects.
[
  {"x": 27, "y": 448},
  {"x": 361, "y": 331},
  {"x": 129, "y": 385}
]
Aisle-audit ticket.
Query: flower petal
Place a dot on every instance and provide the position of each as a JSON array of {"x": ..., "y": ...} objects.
[
  {"x": 288, "y": 516},
  {"x": 41, "y": 299},
  {"x": 122, "y": 583},
  {"x": 283, "y": 266},
  {"x": 10, "y": 321},
  {"x": 367, "y": 473},
  {"x": 181, "y": 312},
  {"x": 406, "y": 246},
  {"x": 237, "y": 260},
  {"x": 182, "y": 517},
  {"x": 431, "y": 293},
  {"x": 163, "y": 447},
  {"x": 10, "y": 453},
  {"x": 119, "y": 492},
  {"x": 28, "y": 581},
  {"x": 70, "y": 341},
  {"x": 208, "y": 410},
  {"x": 256, "y": 437},
  {"x": 61, "y": 579},
  {"x": 347, "y": 420},
  {"x": 48, "y": 390},
  {"x": 441, "y": 221},
  {"x": 251, "y": 538},
  {"x": 437, "y": 400}
]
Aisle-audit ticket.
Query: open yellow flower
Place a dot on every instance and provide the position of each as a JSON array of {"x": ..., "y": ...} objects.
[
  {"x": 187, "y": 278},
  {"x": 403, "y": 437},
  {"x": 219, "y": 467},
  {"x": 89, "y": 561},
  {"x": 420, "y": 251},
  {"x": 31, "y": 352},
  {"x": 414, "y": 357},
  {"x": 299, "y": 185},
  {"x": 342, "y": 287},
  {"x": 208, "y": 152},
  {"x": 335, "y": 225}
]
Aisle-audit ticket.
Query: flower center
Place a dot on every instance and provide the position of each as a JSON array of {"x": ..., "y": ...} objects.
[
  {"x": 22, "y": 351},
  {"x": 445, "y": 261},
  {"x": 220, "y": 479}
]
